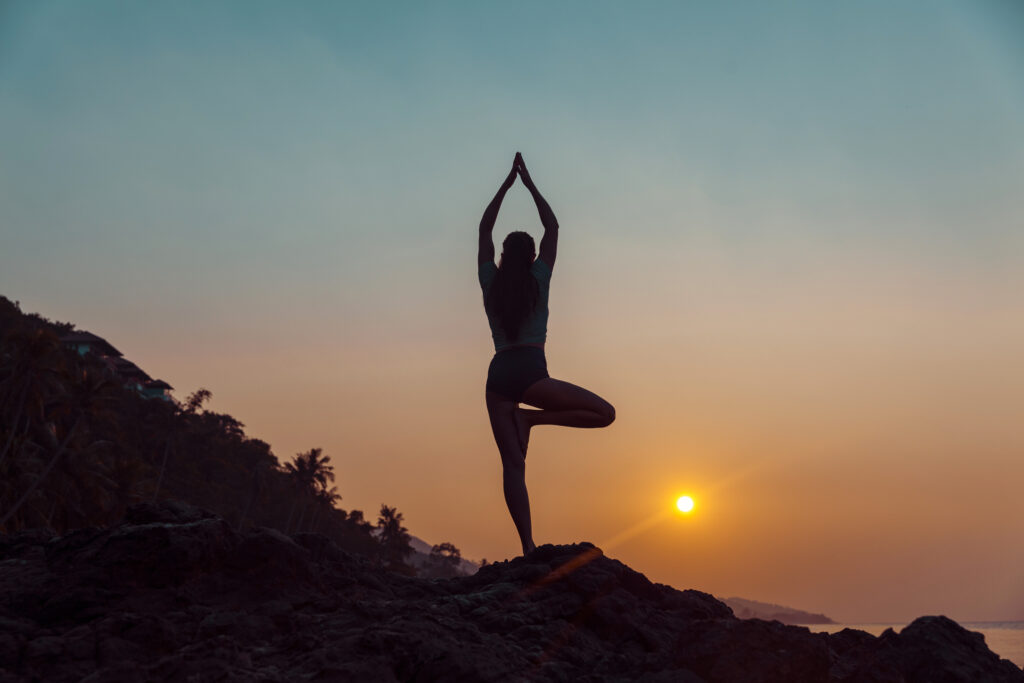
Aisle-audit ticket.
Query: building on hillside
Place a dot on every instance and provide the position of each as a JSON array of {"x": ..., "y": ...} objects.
[
  {"x": 157, "y": 388},
  {"x": 131, "y": 374},
  {"x": 128, "y": 371},
  {"x": 86, "y": 342}
]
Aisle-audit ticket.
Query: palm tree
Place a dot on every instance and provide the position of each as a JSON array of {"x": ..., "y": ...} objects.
[
  {"x": 87, "y": 395},
  {"x": 395, "y": 540},
  {"x": 81, "y": 488},
  {"x": 258, "y": 484},
  {"x": 91, "y": 481},
  {"x": 131, "y": 476},
  {"x": 33, "y": 361},
  {"x": 325, "y": 500},
  {"x": 309, "y": 473}
]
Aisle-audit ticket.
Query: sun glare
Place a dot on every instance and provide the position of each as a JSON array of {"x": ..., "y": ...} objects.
[{"x": 685, "y": 504}]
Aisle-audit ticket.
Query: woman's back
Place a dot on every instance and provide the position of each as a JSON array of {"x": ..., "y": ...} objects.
[{"x": 534, "y": 327}]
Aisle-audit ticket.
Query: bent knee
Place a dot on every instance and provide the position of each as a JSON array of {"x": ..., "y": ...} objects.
[{"x": 608, "y": 413}]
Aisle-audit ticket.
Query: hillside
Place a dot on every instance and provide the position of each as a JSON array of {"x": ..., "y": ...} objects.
[
  {"x": 85, "y": 433},
  {"x": 174, "y": 593}
]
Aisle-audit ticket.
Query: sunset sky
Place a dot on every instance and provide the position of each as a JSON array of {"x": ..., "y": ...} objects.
[{"x": 792, "y": 256}]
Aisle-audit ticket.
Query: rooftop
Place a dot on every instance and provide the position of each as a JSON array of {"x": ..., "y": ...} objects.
[
  {"x": 97, "y": 343},
  {"x": 126, "y": 368}
]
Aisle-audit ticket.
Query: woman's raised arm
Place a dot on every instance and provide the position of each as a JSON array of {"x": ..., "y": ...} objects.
[
  {"x": 548, "y": 243},
  {"x": 486, "y": 250}
]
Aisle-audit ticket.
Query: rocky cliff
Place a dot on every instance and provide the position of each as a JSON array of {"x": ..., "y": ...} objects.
[{"x": 173, "y": 593}]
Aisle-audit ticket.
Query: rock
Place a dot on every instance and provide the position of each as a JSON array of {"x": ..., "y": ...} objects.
[
  {"x": 17, "y": 544},
  {"x": 174, "y": 593},
  {"x": 80, "y": 643},
  {"x": 938, "y": 650},
  {"x": 10, "y": 648},
  {"x": 237, "y": 625},
  {"x": 166, "y": 511},
  {"x": 45, "y": 647}
]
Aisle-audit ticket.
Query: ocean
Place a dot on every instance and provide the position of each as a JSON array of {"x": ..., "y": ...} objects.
[{"x": 1005, "y": 638}]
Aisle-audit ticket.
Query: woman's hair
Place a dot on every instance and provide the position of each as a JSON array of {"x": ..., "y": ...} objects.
[{"x": 513, "y": 294}]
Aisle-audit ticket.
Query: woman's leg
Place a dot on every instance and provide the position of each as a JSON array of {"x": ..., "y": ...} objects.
[
  {"x": 502, "y": 412},
  {"x": 561, "y": 403}
]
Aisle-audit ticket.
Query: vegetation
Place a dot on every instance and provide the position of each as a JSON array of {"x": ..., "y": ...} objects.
[
  {"x": 394, "y": 540},
  {"x": 444, "y": 560},
  {"x": 78, "y": 446}
]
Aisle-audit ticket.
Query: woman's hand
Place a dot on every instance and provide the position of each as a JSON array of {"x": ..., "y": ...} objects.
[
  {"x": 520, "y": 166},
  {"x": 511, "y": 179}
]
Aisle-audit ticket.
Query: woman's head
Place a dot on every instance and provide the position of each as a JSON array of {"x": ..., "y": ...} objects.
[{"x": 517, "y": 251}]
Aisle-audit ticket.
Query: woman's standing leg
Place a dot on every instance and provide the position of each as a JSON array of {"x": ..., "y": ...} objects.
[{"x": 502, "y": 412}]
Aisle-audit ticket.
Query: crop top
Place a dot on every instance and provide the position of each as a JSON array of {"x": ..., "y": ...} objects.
[{"x": 534, "y": 329}]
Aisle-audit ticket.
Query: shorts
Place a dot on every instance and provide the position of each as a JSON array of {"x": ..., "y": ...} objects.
[{"x": 512, "y": 371}]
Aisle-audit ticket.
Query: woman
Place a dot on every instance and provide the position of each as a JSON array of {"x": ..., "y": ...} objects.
[{"x": 516, "y": 302}]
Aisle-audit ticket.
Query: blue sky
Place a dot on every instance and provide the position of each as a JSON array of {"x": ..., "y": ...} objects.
[{"x": 287, "y": 146}]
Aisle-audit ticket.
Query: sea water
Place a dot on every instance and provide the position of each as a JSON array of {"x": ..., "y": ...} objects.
[{"x": 1005, "y": 638}]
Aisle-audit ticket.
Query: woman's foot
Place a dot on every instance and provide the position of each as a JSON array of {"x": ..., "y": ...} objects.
[{"x": 522, "y": 429}]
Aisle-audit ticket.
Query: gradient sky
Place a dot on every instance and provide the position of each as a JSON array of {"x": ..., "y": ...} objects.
[{"x": 791, "y": 255}]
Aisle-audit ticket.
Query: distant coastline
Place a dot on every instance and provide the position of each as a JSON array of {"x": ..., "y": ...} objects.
[{"x": 752, "y": 609}]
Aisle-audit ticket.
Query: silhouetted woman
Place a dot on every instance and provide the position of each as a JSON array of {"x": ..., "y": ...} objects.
[{"x": 516, "y": 303}]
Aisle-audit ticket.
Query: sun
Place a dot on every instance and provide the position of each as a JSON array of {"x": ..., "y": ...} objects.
[{"x": 685, "y": 504}]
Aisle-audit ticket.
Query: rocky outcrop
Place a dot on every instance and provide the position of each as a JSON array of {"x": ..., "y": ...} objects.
[{"x": 174, "y": 593}]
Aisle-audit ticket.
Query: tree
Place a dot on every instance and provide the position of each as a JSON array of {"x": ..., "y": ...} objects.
[
  {"x": 309, "y": 473},
  {"x": 258, "y": 485},
  {"x": 87, "y": 397},
  {"x": 166, "y": 420},
  {"x": 33, "y": 364},
  {"x": 444, "y": 561},
  {"x": 196, "y": 400},
  {"x": 324, "y": 501},
  {"x": 394, "y": 540}
]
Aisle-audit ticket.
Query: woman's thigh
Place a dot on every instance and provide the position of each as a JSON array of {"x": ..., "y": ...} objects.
[{"x": 554, "y": 394}]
